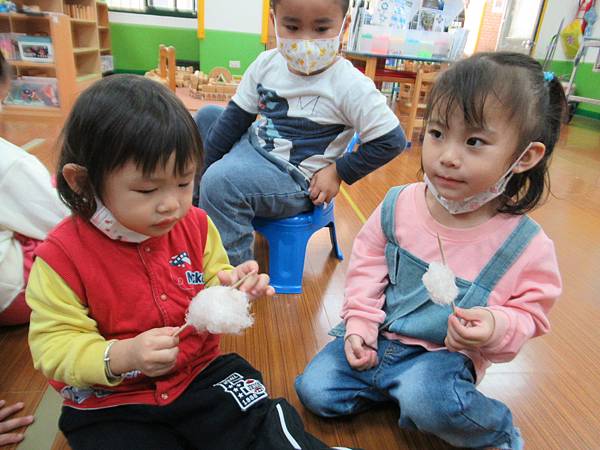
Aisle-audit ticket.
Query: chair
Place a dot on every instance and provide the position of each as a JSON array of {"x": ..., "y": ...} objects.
[
  {"x": 418, "y": 100},
  {"x": 288, "y": 239}
]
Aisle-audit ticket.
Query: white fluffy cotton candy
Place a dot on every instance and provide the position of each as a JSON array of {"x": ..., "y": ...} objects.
[
  {"x": 220, "y": 310},
  {"x": 439, "y": 281}
]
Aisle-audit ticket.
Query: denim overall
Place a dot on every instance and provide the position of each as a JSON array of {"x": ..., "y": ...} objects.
[
  {"x": 409, "y": 310},
  {"x": 435, "y": 390}
]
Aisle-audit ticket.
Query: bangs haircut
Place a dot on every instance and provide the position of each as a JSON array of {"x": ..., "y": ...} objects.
[
  {"x": 516, "y": 85},
  {"x": 345, "y": 4},
  {"x": 119, "y": 119},
  {"x": 478, "y": 83}
]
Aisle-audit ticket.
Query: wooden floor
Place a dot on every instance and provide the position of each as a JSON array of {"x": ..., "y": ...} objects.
[{"x": 552, "y": 387}]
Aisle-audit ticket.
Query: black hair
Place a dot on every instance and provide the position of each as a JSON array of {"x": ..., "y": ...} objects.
[
  {"x": 343, "y": 3},
  {"x": 5, "y": 70},
  {"x": 536, "y": 105},
  {"x": 119, "y": 119}
]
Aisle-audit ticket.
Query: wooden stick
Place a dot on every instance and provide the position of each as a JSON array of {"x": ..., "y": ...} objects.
[
  {"x": 181, "y": 328},
  {"x": 444, "y": 263},
  {"x": 441, "y": 249},
  {"x": 239, "y": 282}
]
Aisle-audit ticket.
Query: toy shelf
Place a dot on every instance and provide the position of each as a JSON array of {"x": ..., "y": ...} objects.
[
  {"x": 83, "y": 50},
  {"x": 59, "y": 71},
  {"x": 104, "y": 37},
  {"x": 83, "y": 22},
  {"x": 31, "y": 65},
  {"x": 80, "y": 36}
]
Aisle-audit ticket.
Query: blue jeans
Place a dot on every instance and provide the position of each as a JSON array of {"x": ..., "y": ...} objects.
[
  {"x": 243, "y": 185},
  {"x": 435, "y": 391}
]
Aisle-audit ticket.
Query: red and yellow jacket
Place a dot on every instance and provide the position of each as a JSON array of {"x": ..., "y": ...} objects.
[{"x": 86, "y": 289}]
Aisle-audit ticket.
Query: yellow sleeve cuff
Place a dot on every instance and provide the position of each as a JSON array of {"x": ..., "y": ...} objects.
[{"x": 215, "y": 257}]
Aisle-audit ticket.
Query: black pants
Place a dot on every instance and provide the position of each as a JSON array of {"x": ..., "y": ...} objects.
[{"x": 225, "y": 408}]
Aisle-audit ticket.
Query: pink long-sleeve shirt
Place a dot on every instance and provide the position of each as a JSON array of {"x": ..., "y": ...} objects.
[{"x": 520, "y": 301}]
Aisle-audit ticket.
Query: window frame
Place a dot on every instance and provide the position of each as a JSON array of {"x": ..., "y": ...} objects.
[{"x": 151, "y": 10}]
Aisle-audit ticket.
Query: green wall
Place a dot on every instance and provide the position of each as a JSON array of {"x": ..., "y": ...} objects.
[
  {"x": 135, "y": 47},
  {"x": 587, "y": 84},
  {"x": 220, "y": 47}
]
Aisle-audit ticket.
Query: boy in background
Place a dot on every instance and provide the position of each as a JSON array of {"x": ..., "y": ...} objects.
[{"x": 311, "y": 102}]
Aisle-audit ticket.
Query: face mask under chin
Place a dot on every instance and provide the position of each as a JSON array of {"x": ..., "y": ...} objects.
[
  {"x": 476, "y": 201},
  {"x": 105, "y": 221}
]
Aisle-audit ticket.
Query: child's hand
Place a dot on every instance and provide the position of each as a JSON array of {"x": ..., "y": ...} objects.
[
  {"x": 7, "y": 425},
  {"x": 359, "y": 355},
  {"x": 469, "y": 329},
  {"x": 153, "y": 352},
  {"x": 253, "y": 286},
  {"x": 324, "y": 185}
]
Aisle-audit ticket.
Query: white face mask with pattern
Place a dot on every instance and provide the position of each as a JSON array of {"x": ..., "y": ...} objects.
[
  {"x": 309, "y": 55},
  {"x": 106, "y": 222},
  {"x": 476, "y": 201}
]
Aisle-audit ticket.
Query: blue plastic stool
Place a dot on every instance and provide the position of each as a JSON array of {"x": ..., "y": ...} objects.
[{"x": 287, "y": 245}]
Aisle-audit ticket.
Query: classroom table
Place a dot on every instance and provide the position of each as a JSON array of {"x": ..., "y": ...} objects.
[{"x": 375, "y": 66}]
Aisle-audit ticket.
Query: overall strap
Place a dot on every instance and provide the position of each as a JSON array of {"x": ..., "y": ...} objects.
[
  {"x": 508, "y": 253},
  {"x": 388, "y": 213}
]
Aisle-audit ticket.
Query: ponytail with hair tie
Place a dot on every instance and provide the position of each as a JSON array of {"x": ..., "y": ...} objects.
[{"x": 548, "y": 77}]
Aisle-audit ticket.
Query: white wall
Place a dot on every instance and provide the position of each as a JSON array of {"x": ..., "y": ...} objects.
[
  {"x": 156, "y": 21},
  {"x": 472, "y": 23},
  {"x": 555, "y": 12},
  {"x": 244, "y": 16}
]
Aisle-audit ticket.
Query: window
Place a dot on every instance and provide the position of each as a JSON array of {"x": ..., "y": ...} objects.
[{"x": 182, "y": 8}]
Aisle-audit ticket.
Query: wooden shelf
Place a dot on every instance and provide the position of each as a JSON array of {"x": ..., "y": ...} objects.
[
  {"x": 84, "y": 50},
  {"x": 80, "y": 34},
  {"x": 32, "y": 65},
  {"x": 83, "y": 21},
  {"x": 21, "y": 16},
  {"x": 88, "y": 77},
  {"x": 104, "y": 39},
  {"x": 31, "y": 111}
]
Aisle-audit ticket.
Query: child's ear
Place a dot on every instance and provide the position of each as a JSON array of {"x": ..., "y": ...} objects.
[
  {"x": 76, "y": 176},
  {"x": 532, "y": 156}
]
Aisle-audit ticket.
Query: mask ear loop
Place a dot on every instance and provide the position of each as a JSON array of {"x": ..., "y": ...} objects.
[
  {"x": 518, "y": 160},
  {"x": 509, "y": 172}
]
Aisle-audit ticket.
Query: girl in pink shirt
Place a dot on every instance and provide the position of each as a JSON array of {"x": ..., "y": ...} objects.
[{"x": 492, "y": 123}]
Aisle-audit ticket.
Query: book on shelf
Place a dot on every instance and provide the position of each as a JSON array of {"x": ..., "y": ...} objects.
[{"x": 9, "y": 46}]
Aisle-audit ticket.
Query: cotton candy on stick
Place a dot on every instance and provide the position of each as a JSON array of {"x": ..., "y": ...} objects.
[
  {"x": 220, "y": 310},
  {"x": 440, "y": 281}
]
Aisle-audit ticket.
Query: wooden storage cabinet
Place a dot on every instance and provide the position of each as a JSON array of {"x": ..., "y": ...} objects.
[
  {"x": 58, "y": 28},
  {"x": 104, "y": 35},
  {"x": 79, "y": 33}
]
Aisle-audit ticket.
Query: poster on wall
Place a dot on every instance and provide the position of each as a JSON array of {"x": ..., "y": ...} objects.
[
  {"x": 431, "y": 16},
  {"x": 395, "y": 14}
]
